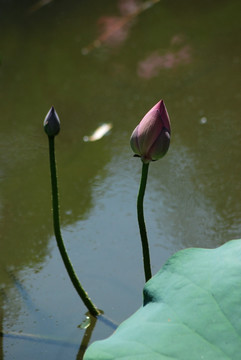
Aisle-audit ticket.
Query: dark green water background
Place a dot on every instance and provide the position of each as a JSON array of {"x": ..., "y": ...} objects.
[{"x": 96, "y": 63}]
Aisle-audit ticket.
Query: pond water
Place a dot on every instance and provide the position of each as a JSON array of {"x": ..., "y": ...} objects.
[{"x": 109, "y": 62}]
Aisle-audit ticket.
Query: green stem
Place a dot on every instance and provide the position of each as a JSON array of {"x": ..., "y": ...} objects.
[
  {"x": 80, "y": 290},
  {"x": 141, "y": 221}
]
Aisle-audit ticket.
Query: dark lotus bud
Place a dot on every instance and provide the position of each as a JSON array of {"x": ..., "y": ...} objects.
[{"x": 52, "y": 123}]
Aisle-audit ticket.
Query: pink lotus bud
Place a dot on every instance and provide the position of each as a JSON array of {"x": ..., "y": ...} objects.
[
  {"x": 52, "y": 123},
  {"x": 151, "y": 138}
]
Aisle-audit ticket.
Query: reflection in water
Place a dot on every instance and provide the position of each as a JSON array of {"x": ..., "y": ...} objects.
[
  {"x": 92, "y": 320},
  {"x": 88, "y": 325},
  {"x": 86, "y": 338},
  {"x": 151, "y": 66},
  {"x": 1, "y": 331},
  {"x": 38, "y": 5},
  {"x": 115, "y": 29}
]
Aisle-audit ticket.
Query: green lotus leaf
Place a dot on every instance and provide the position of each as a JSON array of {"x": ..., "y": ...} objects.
[{"x": 191, "y": 311}]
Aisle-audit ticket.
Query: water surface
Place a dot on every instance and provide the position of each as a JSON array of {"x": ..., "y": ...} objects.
[{"x": 109, "y": 62}]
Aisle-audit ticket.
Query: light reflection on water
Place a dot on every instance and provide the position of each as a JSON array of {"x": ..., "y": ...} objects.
[{"x": 193, "y": 194}]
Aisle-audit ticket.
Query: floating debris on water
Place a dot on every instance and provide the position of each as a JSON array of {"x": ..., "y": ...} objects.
[
  {"x": 101, "y": 131},
  {"x": 85, "y": 323},
  {"x": 203, "y": 120},
  {"x": 38, "y": 5}
]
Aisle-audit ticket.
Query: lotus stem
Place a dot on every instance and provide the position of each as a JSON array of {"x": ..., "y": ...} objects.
[
  {"x": 141, "y": 222},
  {"x": 55, "y": 202}
]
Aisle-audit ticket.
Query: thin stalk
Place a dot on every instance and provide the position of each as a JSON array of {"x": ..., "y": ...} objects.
[
  {"x": 141, "y": 221},
  {"x": 75, "y": 281}
]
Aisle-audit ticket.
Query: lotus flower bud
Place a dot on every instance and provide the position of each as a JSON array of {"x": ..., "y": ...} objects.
[
  {"x": 151, "y": 138},
  {"x": 52, "y": 123}
]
